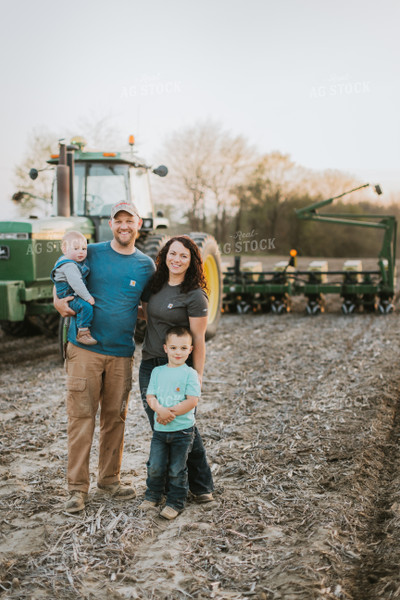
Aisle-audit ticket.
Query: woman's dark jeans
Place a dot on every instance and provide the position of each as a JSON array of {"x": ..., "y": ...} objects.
[{"x": 199, "y": 472}]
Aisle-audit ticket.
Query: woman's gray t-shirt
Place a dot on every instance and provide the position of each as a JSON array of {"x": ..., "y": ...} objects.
[{"x": 167, "y": 308}]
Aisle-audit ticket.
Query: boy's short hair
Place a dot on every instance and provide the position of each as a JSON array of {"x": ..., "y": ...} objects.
[{"x": 179, "y": 331}]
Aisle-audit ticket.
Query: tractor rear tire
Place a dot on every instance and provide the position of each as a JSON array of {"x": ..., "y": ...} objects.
[
  {"x": 46, "y": 323},
  {"x": 151, "y": 246},
  {"x": 213, "y": 271}
]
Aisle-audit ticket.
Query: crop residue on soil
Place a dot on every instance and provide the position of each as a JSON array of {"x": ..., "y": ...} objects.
[{"x": 300, "y": 418}]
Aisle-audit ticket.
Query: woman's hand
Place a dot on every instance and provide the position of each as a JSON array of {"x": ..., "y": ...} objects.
[{"x": 198, "y": 326}]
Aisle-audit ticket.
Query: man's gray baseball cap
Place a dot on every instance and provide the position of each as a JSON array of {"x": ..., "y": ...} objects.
[{"x": 128, "y": 207}]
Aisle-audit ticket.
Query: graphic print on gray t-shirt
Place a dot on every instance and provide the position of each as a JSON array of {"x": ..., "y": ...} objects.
[{"x": 167, "y": 308}]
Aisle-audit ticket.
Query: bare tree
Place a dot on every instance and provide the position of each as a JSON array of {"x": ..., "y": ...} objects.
[
  {"x": 233, "y": 161},
  {"x": 206, "y": 163},
  {"x": 275, "y": 179},
  {"x": 35, "y": 196},
  {"x": 100, "y": 132},
  {"x": 331, "y": 182}
]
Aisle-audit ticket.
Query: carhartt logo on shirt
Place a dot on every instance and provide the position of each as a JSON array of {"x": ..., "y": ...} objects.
[
  {"x": 178, "y": 389},
  {"x": 132, "y": 282},
  {"x": 170, "y": 305}
]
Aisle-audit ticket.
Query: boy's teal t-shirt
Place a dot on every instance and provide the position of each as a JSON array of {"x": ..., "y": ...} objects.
[
  {"x": 171, "y": 385},
  {"x": 116, "y": 282}
]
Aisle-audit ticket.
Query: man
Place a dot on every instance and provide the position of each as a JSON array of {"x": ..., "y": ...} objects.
[{"x": 102, "y": 374}]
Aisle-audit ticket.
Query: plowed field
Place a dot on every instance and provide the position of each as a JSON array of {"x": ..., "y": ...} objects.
[{"x": 301, "y": 422}]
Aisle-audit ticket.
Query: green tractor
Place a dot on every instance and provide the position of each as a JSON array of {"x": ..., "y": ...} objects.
[{"x": 86, "y": 186}]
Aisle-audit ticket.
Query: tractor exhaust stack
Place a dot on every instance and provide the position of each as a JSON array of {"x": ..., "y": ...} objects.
[{"x": 63, "y": 184}]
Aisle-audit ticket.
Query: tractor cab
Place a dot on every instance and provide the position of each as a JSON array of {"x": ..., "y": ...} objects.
[
  {"x": 86, "y": 186},
  {"x": 97, "y": 180}
]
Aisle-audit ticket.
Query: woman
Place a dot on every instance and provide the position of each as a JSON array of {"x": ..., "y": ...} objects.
[{"x": 176, "y": 296}]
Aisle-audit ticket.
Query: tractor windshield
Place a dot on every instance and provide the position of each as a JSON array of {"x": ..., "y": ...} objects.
[
  {"x": 140, "y": 191},
  {"x": 98, "y": 186}
]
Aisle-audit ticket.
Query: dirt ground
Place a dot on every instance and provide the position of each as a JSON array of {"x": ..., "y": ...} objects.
[{"x": 301, "y": 423}]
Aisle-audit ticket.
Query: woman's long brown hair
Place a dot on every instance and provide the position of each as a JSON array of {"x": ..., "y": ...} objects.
[{"x": 194, "y": 276}]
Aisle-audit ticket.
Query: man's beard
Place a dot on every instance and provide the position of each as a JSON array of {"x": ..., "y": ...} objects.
[{"x": 126, "y": 241}]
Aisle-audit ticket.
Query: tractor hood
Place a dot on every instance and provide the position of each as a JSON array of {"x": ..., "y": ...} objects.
[
  {"x": 49, "y": 228},
  {"x": 30, "y": 247}
]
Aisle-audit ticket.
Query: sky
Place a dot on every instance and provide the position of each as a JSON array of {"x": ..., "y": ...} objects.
[{"x": 318, "y": 80}]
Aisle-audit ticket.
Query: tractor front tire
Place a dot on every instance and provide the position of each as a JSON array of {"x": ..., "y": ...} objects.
[{"x": 19, "y": 328}]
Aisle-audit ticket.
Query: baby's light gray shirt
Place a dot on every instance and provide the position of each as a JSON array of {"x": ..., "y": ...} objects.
[{"x": 70, "y": 273}]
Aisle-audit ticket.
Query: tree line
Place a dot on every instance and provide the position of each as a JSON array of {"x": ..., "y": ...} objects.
[
  {"x": 220, "y": 184},
  {"x": 249, "y": 202}
]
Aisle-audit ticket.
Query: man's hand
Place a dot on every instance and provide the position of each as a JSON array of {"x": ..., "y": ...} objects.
[
  {"x": 141, "y": 313},
  {"x": 91, "y": 301},
  {"x": 61, "y": 305}
]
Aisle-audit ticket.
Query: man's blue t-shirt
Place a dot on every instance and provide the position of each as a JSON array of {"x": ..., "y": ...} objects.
[{"x": 116, "y": 282}]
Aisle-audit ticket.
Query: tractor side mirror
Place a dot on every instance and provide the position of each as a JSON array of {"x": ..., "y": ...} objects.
[
  {"x": 161, "y": 171},
  {"x": 33, "y": 173}
]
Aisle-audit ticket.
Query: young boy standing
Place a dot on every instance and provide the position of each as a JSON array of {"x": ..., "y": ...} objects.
[
  {"x": 69, "y": 276},
  {"x": 173, "y": 394}
]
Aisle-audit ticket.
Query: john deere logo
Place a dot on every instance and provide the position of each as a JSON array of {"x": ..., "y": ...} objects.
[{"x": 4, "y": 252}]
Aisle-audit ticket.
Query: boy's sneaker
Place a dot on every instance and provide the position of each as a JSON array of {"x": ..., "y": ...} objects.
[
  {"x": 76, "y": 501},
  {"x": 169, "y": 513},
  {"x": 84, "y": 337},
  {"x": 203, "y": 498},
  {"x": 117, "y": 491},
  {"x": 147, "y": 505}
]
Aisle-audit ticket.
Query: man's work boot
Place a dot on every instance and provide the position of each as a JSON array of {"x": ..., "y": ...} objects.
[
  {"x": 84, "y": 337},
  {"x": 76, "y": 501},
  {"x": 117, "y": 491}
]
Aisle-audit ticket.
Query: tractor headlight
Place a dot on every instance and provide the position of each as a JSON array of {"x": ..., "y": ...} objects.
[{"x": 147, "y": 223}]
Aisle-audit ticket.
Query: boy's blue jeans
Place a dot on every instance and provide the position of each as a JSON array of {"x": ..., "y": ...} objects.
[
  {"x": 84, "y": 310},
  {"x": 168, "y": 456},
  {"x": 199, "y": 472}
]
